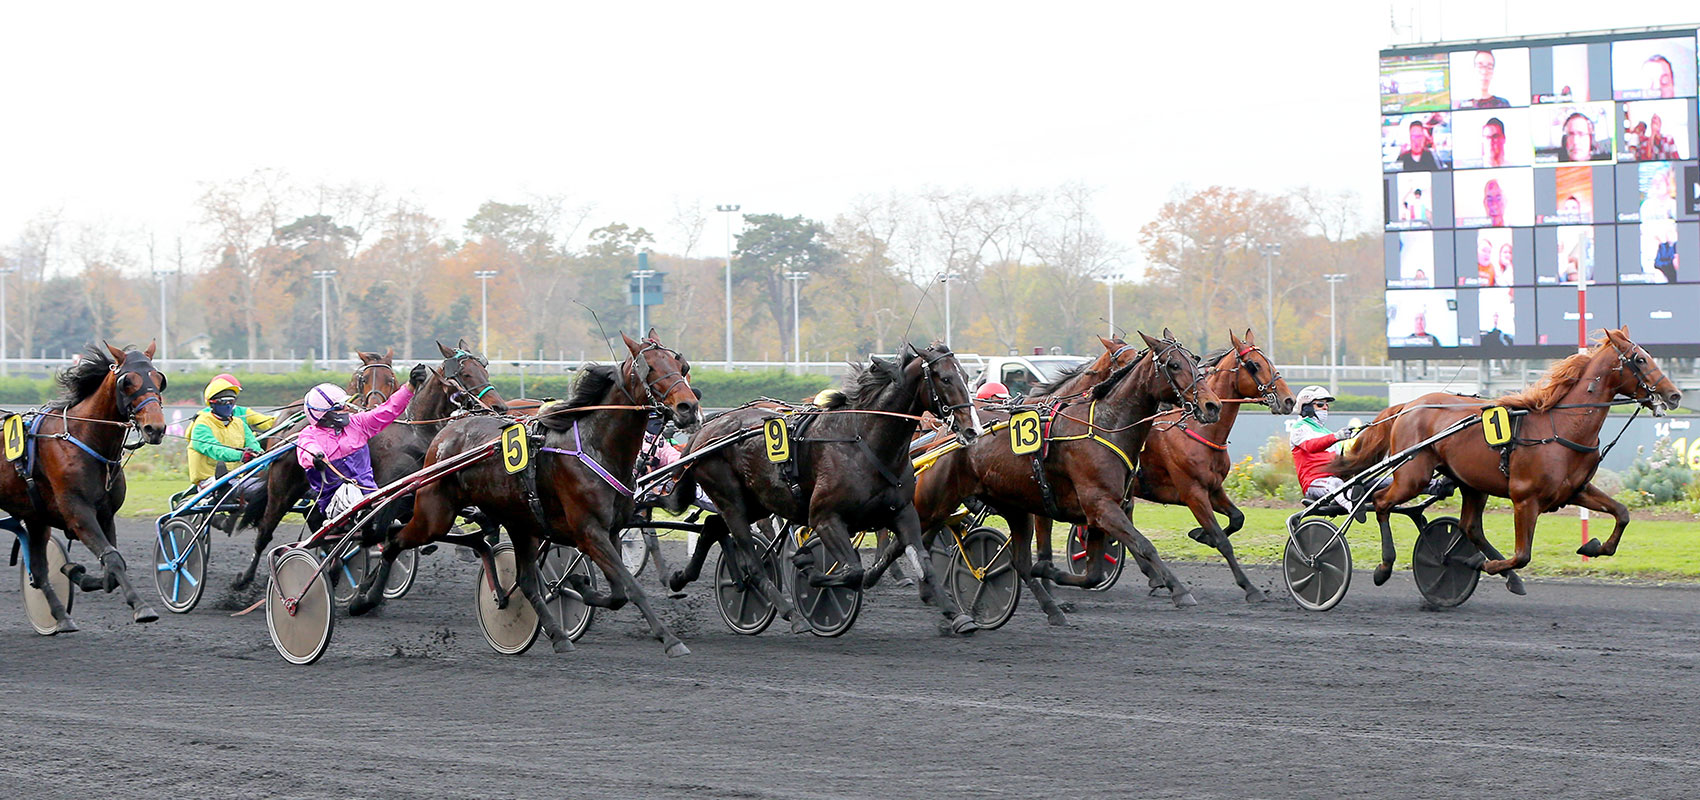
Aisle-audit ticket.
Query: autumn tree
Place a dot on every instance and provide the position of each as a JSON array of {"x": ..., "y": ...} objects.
[
  {"x": 242, "y": 217},
  {"x": 772, "y": 245}
]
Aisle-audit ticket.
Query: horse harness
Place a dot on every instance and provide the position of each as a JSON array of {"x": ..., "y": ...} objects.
[
  {"x": 798, "y": 421},
  {"x": 128, "y": 405},
  {"x": 464, "y": 396},
  {"x": 1265, "y": 392},
  {"x": 363, "y": 378}
]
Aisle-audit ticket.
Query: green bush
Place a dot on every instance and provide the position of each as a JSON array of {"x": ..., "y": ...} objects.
[{"x": 1658, "y": 475}]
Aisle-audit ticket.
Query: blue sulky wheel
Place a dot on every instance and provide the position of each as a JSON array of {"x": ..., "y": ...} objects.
[
  {"x": 509, "y": 623},
  {"x": 1318, "y": 565},
  {"x": 829, "y": 610},
  {"x": 35, "y": 601},
  {"x": 180, "y": 554},
  {"x": 982, "y": 578},
  {"x": 1115, "y": 558},
  {"x": 559, "y": 561},
  {"x": 299, "y": 611},
  {"x": 742, "y": 605},
  {"x": 1444, "y": 563}
]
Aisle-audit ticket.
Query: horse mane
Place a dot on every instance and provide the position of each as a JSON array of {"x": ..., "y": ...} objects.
[
  {"x": 866, "y": 381},
  {"x": 81, "y": 379},
  {"x": 1550, "y": 389},
  {"x": 593, "y": 383},
  {"x": 1210, "y": 358},
  {"x": 1067, "y": 374},
  {"x": 1103, "y": 389}
]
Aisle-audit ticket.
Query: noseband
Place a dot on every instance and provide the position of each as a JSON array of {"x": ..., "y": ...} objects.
[
  {"x": 136, "y": 364},
  {"x": 1265, "y": 391},
  {"x": 465, "y": 397},
  {"x": 646, "y": 376},
  {"x": 1188, "y": 398},
  {"x": 363, "y": 376}
]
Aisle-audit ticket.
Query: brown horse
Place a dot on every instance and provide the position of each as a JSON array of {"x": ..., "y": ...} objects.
[
  {"x": 462, "y": 385},
  {"x": 582, "y": 473},
  {"x": 1087, "y": 462},
  {"x": 76, "y": 481},
  {"x": 374, "y": 380},
  {"x": 1555, "y": 448}
]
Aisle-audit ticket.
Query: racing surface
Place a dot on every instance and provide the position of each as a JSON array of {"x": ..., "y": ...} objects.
[{"x": 1579, "y": 689}]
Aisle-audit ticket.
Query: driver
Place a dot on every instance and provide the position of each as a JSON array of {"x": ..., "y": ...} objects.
[
  {"x": 993, "y": 393},
  {"x": 222, "y": 435},
  {"x": 1312, "y": 443},
  {"x": 333, "y": 448}
]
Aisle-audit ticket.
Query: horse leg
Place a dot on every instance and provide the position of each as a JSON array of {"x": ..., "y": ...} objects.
[
  {"x": 1094, "y": 573},
  {"x": 1408, "y": 481},
  {"x": 1595, "y": 500},
  {"x": 747, "y": 559},
  {"x": 1213, "y": 535},
  {"x": 713, "y": 532},
  {"x": 908, "y": 524},
  {"x": 87, "y": 527},
  {"x": 37, "y": 543},
  {"x": 1108, "y": 517},
  {"x": 115, "y": 570},
  {"x": 886, "y": 558},
  {"x": 269, "y": 520},
  {"x": 1041, "y": 536},
  {"x": 1021, "y": 532},
  {"x": 433, "y": 515},
  {"x": 1224, "y": 506},
  {"x": 530, "y": 583},
  {"x": 601, "y": 550},
  {"x": 1470, "y": 517},
  {"x": 1526, "y": 510}
]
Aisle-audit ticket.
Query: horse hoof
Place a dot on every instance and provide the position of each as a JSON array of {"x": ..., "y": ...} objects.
[
  {"x": 428, "y": 549},
  {"x": 800, "y": 625},
  {"x": 677, "y": 650},
  {"x": 66, "y": 626},
  {"x": 964, "y": 625},
  {"x": 1514, "y": 584},
  {"x": 1065, "y": 607},
  {"x": 1591, "y": 549},
  {"x": 1197, "y": 535},
  {"x": 359, "y": 606},
  {"x": 677, "y": 595},
  {"x": 1056, "y": 619},
  {"x": 562, "y": 645},
  {"x": 241, "y": 583},
  {"x": 1382, "y": 573},
  {"x": 676, "y": 581},
  {"x": 1256, "y": 595},
  {"x": 1184, "y": 599},
  {"x": 145, "y": 614}
]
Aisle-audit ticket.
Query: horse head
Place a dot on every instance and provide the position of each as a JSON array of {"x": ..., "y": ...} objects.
[
  {"x": 942, "y": 386},
  {"x": 375, "y": 379},
  {"x": 1185, "y": 383},
  {"x": 665, "y": 376},
  {"x": 1255, "y": 376},
  {"x": 1639, "y": 376},
  {"x": 467, "y": 377},
  {"x": 140, "y": 389}
]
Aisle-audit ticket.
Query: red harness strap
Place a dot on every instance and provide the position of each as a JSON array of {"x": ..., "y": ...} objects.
[{"x": 1201, "y": 440}]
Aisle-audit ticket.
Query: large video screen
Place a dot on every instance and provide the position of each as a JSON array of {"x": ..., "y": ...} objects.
[{"x": 1523, "y": 180}]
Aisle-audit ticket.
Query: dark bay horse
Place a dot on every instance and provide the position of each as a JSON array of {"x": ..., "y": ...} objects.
[
  {"x": 1088, "y": 465},
  {"x": 582, "y": 475},
  {"x": 462, "y": 385},
  {"x": 1554, "y": 449},
  {"x": 77, "y": 472},
  {"x": 852, "y": 471}
]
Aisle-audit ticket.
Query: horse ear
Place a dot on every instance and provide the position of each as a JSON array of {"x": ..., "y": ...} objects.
[
  {"x": 463, "y": 345},
  {"x": 1168, "y": 337},
  {"x": 389, "y": 354},
  {"x": 117, "y": 355},
  {"x": 651, "y": 335},
  {"x": 151, "y": 345},
  {"x": 631, "y": 345},
  {"x": 1150, "y": 344},
  {"x": 445, "y": 350},
  {"x": 1235, "y": 341},
  {"x": 1624, "y": 331},
  {"x": 365, "y": 358},
  {"x": 1108, "y": 345},
  {"x": 1248, "y": 339}
]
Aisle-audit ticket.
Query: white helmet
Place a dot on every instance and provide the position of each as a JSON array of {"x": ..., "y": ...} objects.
[
  {"x": 1313, "y": 394},
  {"x": 323, "y": 399}
]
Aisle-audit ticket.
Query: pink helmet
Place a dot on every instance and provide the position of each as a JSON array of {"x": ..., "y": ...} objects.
[
  {"x": 992, "y": 391},
  {"x": 323, "y": 399}
]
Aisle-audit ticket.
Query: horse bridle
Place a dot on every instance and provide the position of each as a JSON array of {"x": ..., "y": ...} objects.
[
  {"x": 463, "y": 396},
  {"x": 127, "y": 403},
  {"x": 1628, "y": 360},
  {"x": 1188, "y": 398},
  {"x": 363, "y": 375},
  {"x": 1266, "y": 391},
  {"x": 928, "y": 374},
  {"x": 645, "y": 375}
]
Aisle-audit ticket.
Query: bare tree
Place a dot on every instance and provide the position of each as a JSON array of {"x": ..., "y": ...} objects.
[
  {"x": 1077, "y": 254},
  {"x": 407, "y": 253},
  {"x": 33, "y": 255},
  {"x": 242, "y": 217},
  {"x": 688, "y": 220}
]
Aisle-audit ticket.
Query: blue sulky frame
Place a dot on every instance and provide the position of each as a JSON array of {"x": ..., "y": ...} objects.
[{"x": 180, "y": 556}]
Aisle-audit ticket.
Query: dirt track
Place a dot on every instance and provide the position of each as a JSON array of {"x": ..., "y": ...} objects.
[{"x": 1577, "y": 690}]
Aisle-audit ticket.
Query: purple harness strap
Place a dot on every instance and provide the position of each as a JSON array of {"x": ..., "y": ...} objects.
[{"x": 578, "y": 452}]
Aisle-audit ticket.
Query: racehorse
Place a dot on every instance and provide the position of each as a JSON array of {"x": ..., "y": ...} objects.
[
  {"x": 1565, "y": 411},
  {"x": 848, "y": 471},
  {"x": 374, "y": 380},
  {"x": 581, "y": 495},
  {"x": 75, "y": 474},
  {"x": 462, "y": 385},
  {"x": 1086, "y": 467}
]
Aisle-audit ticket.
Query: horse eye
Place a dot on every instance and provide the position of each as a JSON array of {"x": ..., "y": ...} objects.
[{"x": 1251, "y": 367}]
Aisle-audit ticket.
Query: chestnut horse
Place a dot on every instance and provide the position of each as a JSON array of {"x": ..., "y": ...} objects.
[
  {"x": 582, "y": 475},
  {"x": 1087, "y": 462},
  {"x": 1555, "y": 448},
  {"x": 76, "y": 482},
  {"x": 462, "y": 385}
]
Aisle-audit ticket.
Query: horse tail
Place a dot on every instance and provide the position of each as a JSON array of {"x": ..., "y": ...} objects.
[
  {"x": 253, "y": 495},
  {"x": 684, "y": 493},
  {"x": 1369, "y": 447}
]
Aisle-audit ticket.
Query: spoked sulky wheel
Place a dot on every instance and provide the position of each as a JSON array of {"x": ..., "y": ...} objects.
[
  {"x": 299, "y": 612},
  {"x": 634, "y": 546},
  {"x": 829, "y": 610},
  {"x": 402, "y": 573},
  {"x": 982, "y": 578},
  {"x": 509, "y": 622},
  {"x": 180, "y": 556},
  {"x": 1444, "y": 562},
  {"x": 1115, "y": 558},
  {"x": 1317, "y": 565},
  {"x": 347, "y": 575},
  {"x": 742, "y": 605},
  {"x": 559, "y": 561},
  {"x": 35, "y": 600}
]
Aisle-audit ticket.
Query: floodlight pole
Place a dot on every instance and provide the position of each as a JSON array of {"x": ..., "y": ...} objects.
[
  {"x": 728, "y": 210},
  {"x": 484, "y": 276},
  {"x": 1333, "y": 338},
  {"x": 5, "y": 366},
  {"x": 642, "y": 275},
  {"x": 1269, "y": 251},
  {"x": 324, "y": 276},
  {"x": 796, "y": 279},
  {"x": 945, "y": 278}
]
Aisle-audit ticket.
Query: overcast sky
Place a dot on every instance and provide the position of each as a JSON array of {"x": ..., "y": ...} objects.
[{"x": 121, "y": 113}]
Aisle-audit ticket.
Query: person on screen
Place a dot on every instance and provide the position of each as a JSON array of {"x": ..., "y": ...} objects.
[
  {"x": 1660, "y": 202},
  {"x": 1578, "y": 259},
  {"x": 1570, "y": 209},
  {"x": 1503, "y": 276},
  {"x": 1419, "y": 332},
  {"x": 1420, "y": 278},
  {"x": 1485, "y": 271},
  {"x": 1658, "y": 77},
  {"x": 1653, "y": 144},
  {"x": 1579, "y": 140},
  {"x": 1484, "y": 73},
  {"x": 1418, "y": 155},
  {"x": 1413, "y": 208},
  {"x": 1493, "y": 202},
  {"x": 1495, "y": 336},
  {"x": 1493, "y": 143}
]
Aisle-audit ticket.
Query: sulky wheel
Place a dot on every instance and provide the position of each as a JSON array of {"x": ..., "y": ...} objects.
[
  {"x": 829, "y": 610},
  {"x": 35, "y": 600},
  {"x": 982, "y": 578},
  {"x": 347, "y": 575},
  {"x": 1115, "y": 558},
  {"x": 1444, "y": 563},
  {"x": 505, "y": 616},
  {"x": 1317, "y": 565},
  {"x": 570, "y": 610},
  {"x": 180, "y": 556},
  {"x": 743, "y": 606},
  {"x": 634, "y": 549},
  {"x": 299, "y": 611},
  {"x": 402, "y": 573}
]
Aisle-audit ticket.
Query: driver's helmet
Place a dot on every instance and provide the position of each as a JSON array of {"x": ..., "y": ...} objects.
[
  {"x": 1313, "y": 394},
  {"x": 323, "y": 399},
  {"x": 992, "y": 391}
]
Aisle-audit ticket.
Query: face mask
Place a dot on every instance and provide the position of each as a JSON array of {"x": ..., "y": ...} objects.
[
  {"x": 1322, "y": 415},
  {"x": 336, "y": 420},
  {"x": 223, "y": 409}
]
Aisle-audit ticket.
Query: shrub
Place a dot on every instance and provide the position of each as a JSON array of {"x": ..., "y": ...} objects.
[{"x": 1659, "y": 475}]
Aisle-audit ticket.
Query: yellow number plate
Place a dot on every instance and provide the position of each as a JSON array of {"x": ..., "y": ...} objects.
[
  {"x": 1024, "y": 433},
  {"x": 515, "y": 454},
  {"x": 777, "y": 437},
  {"x": 1496, "y": 426},
  {"x": 14, "y": 437}
]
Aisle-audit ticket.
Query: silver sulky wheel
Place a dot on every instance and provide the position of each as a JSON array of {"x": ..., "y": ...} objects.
[
  {"x": 402, "y": 573},
  {"x": 507, "y": 619},
  {"x": 559, "y": 561},
  {"x": 982, "y": 578},
  {"x": 1318, "y": 565},
  {"x": 1444, "y": 562},
  {"x": 299, "y": 611},
  {"x": 35, "y": 600},
  {"x": 180, "y": 556},
  {"x": 743, "y": 606},
  {"x": 829, "y": 610}
]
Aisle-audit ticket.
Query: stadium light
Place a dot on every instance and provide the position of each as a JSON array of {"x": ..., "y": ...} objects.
[
  {"x": 1333, "y": 278},
  {"x": 728, "y": 210},
  {"x": 484, "y": 276},
  {"x": 324, "y": 276}
]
